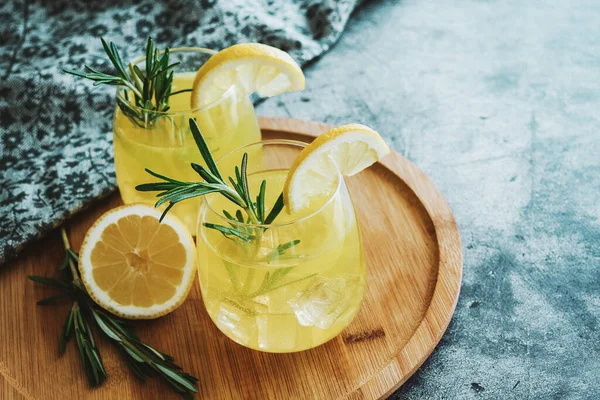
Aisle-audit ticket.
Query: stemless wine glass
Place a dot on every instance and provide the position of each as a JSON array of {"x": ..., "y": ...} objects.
[
  {"x": 163, "y": 141},
  {"x": 287, "y": 286}
]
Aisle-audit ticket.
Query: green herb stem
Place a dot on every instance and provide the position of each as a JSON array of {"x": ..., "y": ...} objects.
[
  {"x": 173, "y": 191},
  {"x": 151, "y": 88}
]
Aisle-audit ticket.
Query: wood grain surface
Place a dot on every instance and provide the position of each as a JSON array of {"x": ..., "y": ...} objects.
[{"x": 414, "y": 259}]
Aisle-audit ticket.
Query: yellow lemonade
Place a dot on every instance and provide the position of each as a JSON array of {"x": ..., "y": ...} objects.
[
  {"x": 167, "y": 147},
  {"x": 297, "y": 284}
]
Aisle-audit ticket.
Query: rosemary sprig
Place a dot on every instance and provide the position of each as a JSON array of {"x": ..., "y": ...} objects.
[
  {"x": 142, "y": 359},
  {"x": 150, "y": 88},
  {"x": 172, "y": 191}
]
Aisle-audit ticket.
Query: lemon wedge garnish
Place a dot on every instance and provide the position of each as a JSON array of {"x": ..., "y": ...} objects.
[
  {"x": 259, "y": 68},
  {"x": 135, "y": 266},
  {"x": 348, "y": 149}
]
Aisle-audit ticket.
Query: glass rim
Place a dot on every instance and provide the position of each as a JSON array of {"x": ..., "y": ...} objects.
[
  {"x": 298, "y": 143},
  {"x": 210, "y": 105}
]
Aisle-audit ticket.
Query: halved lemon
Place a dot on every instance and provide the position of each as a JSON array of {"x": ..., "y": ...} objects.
[
  {"x": 348, "y": 149},
  {"x": 135, "y": 266},
  {"x": 259, "y": 68}
]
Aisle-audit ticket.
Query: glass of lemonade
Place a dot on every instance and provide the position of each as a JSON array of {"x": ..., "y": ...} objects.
[
  {"x": 166, "y": 145},
  {"x": 300, "y": 280}
]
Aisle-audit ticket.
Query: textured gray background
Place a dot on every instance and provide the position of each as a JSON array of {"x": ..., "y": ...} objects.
[{"x": 499, "y": 103}]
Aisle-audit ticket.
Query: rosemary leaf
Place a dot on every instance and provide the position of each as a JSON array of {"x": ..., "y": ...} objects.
[
  {"x": 229, "y": 231},
  {"x": 282, "y": 248},
  {"x": 164, "y": 214},
  {"x": 277, "y": 207},
  {"x": 152, "y": 187},
  {"x": 185, "y": 196},
  {"x": 66, "y": 332},
  {"x": 180, "y": 91},
  {"x": 236, "y": 186},
  {"x": 203, "y": 147},
  {"x": 260, "y": 201},
  {"x": 205, "y": 174},
  {"x": 107, "y": 331},
  {"x": 164, "y": 178},
  {"x": 133, "y": 355},
  {"x": 239, "y": 216},
  {"x": 134, "y": 366},
  {"x": 51, "y": 299},
  {"x": 177, "y": 377},
  {"x": 49, "y": 281}
]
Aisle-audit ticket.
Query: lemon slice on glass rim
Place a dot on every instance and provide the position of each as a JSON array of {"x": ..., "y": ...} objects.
[
  {"x": 135, "y": 266},
  {"x": 351, "y": 147},
  {"x": 259, "y": 68}
]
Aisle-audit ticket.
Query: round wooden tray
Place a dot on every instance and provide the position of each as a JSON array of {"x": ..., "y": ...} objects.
[{"x": 414, "y": 259}]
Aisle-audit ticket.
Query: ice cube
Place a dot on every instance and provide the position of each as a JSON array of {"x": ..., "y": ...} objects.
[
  {"x": 321, "y": 303},
  {"x": 236, "y": 322},
  {"x": 276, "y": 301}
]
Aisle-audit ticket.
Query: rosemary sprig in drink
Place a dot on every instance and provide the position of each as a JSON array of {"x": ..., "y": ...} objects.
[
  {"x": 151, "y": 88},
  {"x": 85, "y": 314},
  {"x": 173, "y": 191}
]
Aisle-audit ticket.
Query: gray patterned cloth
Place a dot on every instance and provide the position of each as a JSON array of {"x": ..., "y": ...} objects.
[{"x": 56, "y": 131}]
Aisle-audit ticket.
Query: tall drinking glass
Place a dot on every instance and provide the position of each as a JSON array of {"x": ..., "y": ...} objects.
[
  {"x": 290, "y": 285},
  {"x": 165, "y": 144}
]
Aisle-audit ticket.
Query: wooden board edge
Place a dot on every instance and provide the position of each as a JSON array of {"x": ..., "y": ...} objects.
[{"x": 293, "y": 126}]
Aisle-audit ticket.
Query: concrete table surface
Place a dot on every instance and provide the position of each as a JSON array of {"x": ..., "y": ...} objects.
[{"x": 499, "y": 103}]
